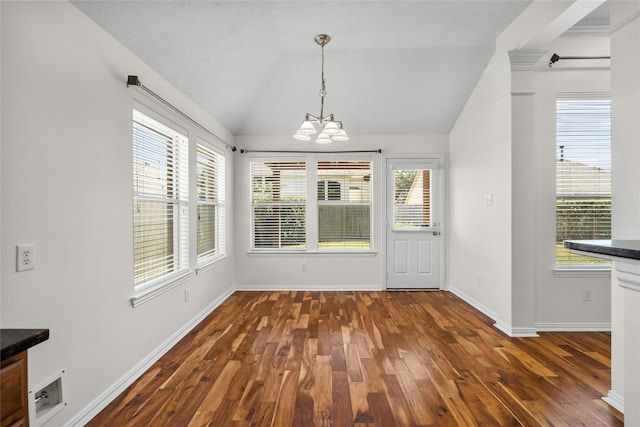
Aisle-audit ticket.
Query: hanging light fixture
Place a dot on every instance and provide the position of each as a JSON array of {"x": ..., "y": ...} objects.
[{"x": 330, "y": 128}]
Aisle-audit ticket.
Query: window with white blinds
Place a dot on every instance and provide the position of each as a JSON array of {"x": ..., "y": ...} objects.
[
  {"x": 413, "y": 200},
  {"x": 210, "y": 190},
  {"x": 344, "y": 204},
  {"x": 278, "y": 204},
  {"x": 160, "y": 201},
  {"x": 583, "y": 172}
]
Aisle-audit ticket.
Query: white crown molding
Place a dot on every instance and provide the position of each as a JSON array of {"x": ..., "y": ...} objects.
[
  {"x": 628, "y": 274},
  {"x": 629, "y": 19},
  {"x": 587, "y": 31},
  {"x": 525, "y": 60}
]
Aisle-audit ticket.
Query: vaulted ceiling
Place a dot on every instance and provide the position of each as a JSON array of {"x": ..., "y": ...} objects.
[{"x": 392, "y": 67}]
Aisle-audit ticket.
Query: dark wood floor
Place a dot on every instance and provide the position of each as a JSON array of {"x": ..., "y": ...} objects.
[{"x": 367, "y": 359}]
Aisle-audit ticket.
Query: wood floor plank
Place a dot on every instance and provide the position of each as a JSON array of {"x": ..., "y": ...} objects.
[{"x": 374, "y": 359}]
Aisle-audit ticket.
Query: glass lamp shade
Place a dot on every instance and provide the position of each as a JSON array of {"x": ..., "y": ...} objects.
[
  {"x": 302, "y": 136},
  {"x": 307, "y": 128},
  {"x": 323, "y": 138},
  {"x": 331, "y": 128},
  {"x": 340, "y": 136}
]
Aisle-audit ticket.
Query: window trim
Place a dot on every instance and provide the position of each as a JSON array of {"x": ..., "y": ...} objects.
[
  {"x": 149, "y": 106},
  {"x": 582, "y": 270},
  {"x": 252, "y": 205},
  {"x": 576, "y": 270},
  {"x": 311, "y": 214},
  {"x": 206, "y": 263},
  {"x": 147, "y": 290},
  {"x": 344, "y": 191},
  {"x": 158, "y": 286}
]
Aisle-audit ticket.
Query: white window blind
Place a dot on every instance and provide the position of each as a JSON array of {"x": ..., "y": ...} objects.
[
  {"x": 160, "y": 200},
  {"x": 210, "y": 189},
  {"x": 583, "y": 172},
  {"x": 278, "y": 203},
  {"x": 344, "y": 204}
]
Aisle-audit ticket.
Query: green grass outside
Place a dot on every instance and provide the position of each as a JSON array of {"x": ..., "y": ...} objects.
[{"x": 565, "y": 257}]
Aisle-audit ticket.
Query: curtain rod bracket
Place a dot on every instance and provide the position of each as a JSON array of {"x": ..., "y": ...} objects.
[{"x": 133, "y": 81}]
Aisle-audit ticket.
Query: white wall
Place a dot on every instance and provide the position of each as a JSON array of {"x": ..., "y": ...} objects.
[
  {"x": 502, "y": 256},
  {"x": 625, "y": 158},
  {"x": 480, "y": 256},
  {"x": 66, "y": 187},
  {"x": 559, "y": 302},
  {"x": 323, "y": 271}
]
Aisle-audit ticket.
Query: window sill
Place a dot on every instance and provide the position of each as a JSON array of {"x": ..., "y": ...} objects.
[
  {"x": 327, "y": 253},
  {"x": 209, "y": 263},
  {"x": 152, "y": 291},
  {"x": 582, "y": 271}
]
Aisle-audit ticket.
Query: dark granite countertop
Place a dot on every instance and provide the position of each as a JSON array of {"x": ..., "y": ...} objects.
[
  {"x": 614, "y": 248},
  {"x": 14, "y": 341}
]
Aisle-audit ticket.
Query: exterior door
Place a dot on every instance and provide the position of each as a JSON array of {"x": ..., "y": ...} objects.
[{"x": 414, "y": 203}]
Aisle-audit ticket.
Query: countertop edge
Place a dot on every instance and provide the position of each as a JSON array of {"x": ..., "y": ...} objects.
[
  {"x": 629, "y": 249},
  {"x": 15, "y": 341}
]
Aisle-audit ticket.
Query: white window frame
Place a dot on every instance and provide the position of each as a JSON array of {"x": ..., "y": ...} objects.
[
  {"x": 148, "y": 289},
  {"x": 576, "y": 270},
  {"x": 345, "y": 198},
  {"x": 254, "y": 204},
  {"x": 203, "y": 147},
  {"x": 312, "y": 204}
]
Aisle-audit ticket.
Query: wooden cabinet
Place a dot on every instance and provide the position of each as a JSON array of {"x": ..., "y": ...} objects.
[{"x": 14, "y": 410}]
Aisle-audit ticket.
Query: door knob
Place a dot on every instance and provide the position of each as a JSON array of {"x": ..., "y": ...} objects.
[{"x": 436, "y": 233}]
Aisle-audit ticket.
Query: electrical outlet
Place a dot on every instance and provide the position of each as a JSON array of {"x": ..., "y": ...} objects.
[
  {"x": 586, "y": 294},
  {"x": 25, "y": 257},
  {"x": 186, "y": 295},
  {"x": 479, "y": 281},
  {"x": 303, "y": 267}
]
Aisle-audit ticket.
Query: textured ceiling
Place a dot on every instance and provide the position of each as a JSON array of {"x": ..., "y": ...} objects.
[{"x": 391, "y": 67}]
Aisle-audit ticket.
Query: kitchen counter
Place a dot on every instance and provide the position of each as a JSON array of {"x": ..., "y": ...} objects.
[
  {"x": 15, "y": 341},
  {"x": 629, "y": 249}
]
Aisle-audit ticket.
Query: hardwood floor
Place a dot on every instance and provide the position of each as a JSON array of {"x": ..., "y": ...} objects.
[{"x": 375, "y": 359}]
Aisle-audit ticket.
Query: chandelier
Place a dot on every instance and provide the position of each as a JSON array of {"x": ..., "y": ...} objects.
[{"x": 330, "y": 128}]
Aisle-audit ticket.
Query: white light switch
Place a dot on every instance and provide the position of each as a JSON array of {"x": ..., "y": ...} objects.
[{"x": 489, "y": 199}]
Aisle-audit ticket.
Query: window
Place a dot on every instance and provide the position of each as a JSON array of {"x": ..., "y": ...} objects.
[
  {"x": 160, "y": 197},
  {"x": 300, "y": 207},
  {"x": 278, "y": 204},
  {"x": 412, "y": 198},
  {"x": 583, "y": 172},
  {"x": 210, "y": 184},
  {"x": 344, "y": 204}
]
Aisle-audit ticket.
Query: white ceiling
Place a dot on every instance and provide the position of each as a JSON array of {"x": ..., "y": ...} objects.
[{"x": 392, "y": 67}]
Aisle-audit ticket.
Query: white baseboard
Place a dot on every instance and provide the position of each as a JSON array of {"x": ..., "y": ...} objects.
[
  {"x": 474, "y": 303},
  {"x": 573, "y": 327},
  {"x": 615, "y": 400},
  {"x": 308, "y": 288},
  {"x": 516, "y": 332},
  {"x": 98, "y": 404},
  {"x": 500, "y": 325}
]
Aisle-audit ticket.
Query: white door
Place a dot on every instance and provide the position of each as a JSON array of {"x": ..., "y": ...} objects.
[{"x": 414, "y": 236}]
